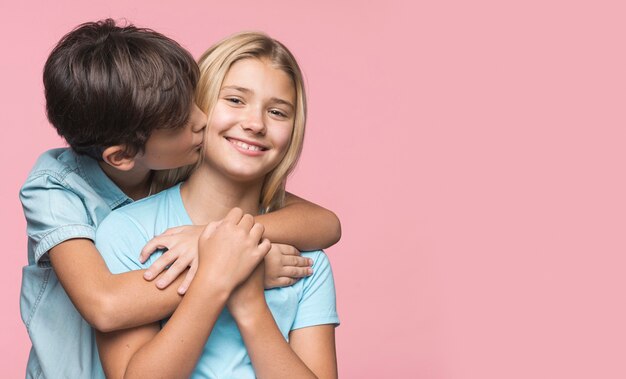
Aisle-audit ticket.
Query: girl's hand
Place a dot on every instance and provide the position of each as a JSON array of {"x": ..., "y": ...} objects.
[
  {"x": 231, "y": 250},
  {"x": 284, "y": 266},
  {"x": 182, "y": 252}
]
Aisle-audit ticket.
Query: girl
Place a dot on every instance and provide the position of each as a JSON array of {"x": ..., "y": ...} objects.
[{"x": 252, "y": 90}]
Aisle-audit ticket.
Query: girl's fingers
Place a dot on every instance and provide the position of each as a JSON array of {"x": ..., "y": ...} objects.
[
  {"x": 158, "y": 242},
  {"x": 188, "y": 278},
  {"x": 233, "y": 216},
  {"x": 171, "y": 274},
  {"x": 174, "y": 230},
  {"x": 246, "y": 222},
  {"x": 257, "y": 231},
  {"x": 158, "y": 266},
  {"x": 210, "y": 229}
]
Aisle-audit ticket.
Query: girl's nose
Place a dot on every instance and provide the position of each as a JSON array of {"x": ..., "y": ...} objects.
[{"x": 254, "y": 123}]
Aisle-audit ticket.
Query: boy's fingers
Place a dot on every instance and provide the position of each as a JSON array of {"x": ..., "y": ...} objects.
[
  {"x": 297, "y": 272},
  {"x": 158, "y": 266},
  {"x": 285, "y": 281},
  {"x": 290, "y": 251},
  {"x": 299, "y": 261}
]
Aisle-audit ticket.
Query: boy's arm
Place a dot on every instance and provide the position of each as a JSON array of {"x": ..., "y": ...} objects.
[
  {"x": 61, "y": 230},
  {"x": 302, "y": 224},
  {"x": 109, "y": 302}
]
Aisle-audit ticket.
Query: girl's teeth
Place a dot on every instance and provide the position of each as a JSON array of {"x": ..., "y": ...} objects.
[{"x": 244, "y": 145}]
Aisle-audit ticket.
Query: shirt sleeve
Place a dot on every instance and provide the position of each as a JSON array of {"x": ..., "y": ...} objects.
[
  {"x": 54, "y": 214},
  {"x": 317, "y": 304},
  {"x": 119, "y": 240}
]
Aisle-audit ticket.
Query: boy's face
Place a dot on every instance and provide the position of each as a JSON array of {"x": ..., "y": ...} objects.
[{"x": 173, "y": 148}]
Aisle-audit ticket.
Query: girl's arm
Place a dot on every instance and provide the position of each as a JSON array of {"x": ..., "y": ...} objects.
[
  {"x": 147, "y": 352},
  {"x": 287, "y": 224},
  {"x": 226, "y": 259},
  {"x": 312, "y": 350}
]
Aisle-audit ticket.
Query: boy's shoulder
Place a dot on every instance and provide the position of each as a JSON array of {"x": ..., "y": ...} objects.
[
  {"x": 64, "y": 170},
  {"x": 54, "y": 162}
]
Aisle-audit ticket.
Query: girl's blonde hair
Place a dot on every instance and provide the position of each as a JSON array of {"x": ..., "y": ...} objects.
[{"x": 214, "y": 65}]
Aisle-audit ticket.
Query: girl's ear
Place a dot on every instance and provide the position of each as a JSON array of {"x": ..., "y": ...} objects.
[{"x": 117, "y": 157}]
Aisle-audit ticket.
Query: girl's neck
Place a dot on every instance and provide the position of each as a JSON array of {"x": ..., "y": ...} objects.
[{"x": 208, "y": 195}]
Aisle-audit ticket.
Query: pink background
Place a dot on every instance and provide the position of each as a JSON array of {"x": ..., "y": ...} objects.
[{"x": 473, "y": 150}]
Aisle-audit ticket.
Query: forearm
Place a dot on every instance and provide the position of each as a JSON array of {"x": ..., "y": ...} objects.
[
  {"x": 302, "y": 224},
  {"x": 271, "y": 355},
  {"x": 141, "y": 301},
  {"x": 175, "y": 350},
  {"x": 106, "y": 301}
]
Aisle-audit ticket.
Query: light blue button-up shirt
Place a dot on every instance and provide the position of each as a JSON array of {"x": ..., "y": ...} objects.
[{"x": 65, "y": 196}]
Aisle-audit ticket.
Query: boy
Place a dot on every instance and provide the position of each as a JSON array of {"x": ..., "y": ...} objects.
[{"x": 122, "y": 97}]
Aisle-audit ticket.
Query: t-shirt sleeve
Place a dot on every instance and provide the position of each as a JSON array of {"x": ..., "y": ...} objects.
[
  {"x": 317, "y": 304},
  {"x": 119, "y": 240},
  {"x": 54, "y": 214}
]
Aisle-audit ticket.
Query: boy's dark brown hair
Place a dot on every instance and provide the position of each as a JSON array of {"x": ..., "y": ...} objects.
[{"x": 109, "y": 85}]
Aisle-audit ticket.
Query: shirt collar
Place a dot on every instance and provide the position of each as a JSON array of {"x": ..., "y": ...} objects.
[{"x": 100, "y": 182}]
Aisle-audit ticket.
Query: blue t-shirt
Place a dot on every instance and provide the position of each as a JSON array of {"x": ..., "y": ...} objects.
[
  {"x": 309, "y": 302},
  {"x": 65, "y": 196}
]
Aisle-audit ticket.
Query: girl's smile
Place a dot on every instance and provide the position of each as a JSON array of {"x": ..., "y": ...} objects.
[{"x": 252, "y": 122}]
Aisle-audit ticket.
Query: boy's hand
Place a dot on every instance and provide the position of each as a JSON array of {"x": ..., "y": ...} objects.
[
  {"x": 229, "y": 252},
  {"x": 284, "y": 266},
  {"x": 182, "y": 251}
]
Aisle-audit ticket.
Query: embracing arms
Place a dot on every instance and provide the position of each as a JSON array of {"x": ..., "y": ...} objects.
[
  {"x": 284, "y": 228},
  {"x": 99, "y": 295},
  {"x": 286, "y": 225},
  {"x": 226, "y": 259}
]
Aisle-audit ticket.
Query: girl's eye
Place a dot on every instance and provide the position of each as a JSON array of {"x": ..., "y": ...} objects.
[
  {"x": 234, "y": 100},
  {"x": 278, "y": 113}
]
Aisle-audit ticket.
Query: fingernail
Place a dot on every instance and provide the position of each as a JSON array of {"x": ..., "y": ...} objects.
[
  {"x": 310, "y": 262},
  {"x": 181, "y": 290},
  {"x": 310, "y": 271},
  {"x": 161, "y": 283},
  {"x": 147, "y": 275}
]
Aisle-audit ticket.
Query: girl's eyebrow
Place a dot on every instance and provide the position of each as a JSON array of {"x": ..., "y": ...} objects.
[{"x": 237, "y": 88}]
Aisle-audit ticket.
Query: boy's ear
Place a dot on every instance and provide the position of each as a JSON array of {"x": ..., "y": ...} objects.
[{"x": 117, "y": 157}]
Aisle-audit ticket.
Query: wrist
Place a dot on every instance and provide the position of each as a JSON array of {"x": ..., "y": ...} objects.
[{"x": 249, "y": 312}]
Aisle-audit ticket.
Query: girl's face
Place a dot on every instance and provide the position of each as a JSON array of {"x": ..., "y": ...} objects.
[{"x": 251, "y": 125}]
